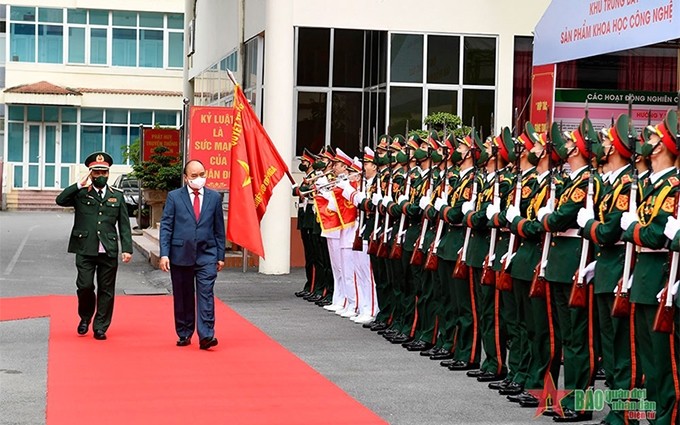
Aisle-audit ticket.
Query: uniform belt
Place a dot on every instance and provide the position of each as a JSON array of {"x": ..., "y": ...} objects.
[
  {"x": 643, "y": 249},
  {"x": 620, "y": 243},
  {"x": 569, "y": 233}
]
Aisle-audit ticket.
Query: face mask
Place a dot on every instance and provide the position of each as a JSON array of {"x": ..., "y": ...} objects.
[
  {"x": 437, "y": 157},
  {"x": 420, "y": 155},
  {"x": 319, "y": 165},
  {"x": 100, "y": 181},
  {"x": 456, "y": 157},
  {"x": 647, "y": 149},
  {"x": 302, "y": 167},
  {"x": 533, "y": 159},
  {"x": 402, "y": 158},
  {"x": 197, "y": 183},
  {"x": 602, "y": 155}
]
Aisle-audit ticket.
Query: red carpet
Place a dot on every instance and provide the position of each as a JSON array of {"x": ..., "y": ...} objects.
[{"x": 139, "y": 376}]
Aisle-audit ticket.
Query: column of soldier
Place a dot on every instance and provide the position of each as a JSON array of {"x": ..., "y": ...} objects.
[{"x": 543, "y": 250}]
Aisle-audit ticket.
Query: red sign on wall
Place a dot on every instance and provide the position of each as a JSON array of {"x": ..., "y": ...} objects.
[
  {"x": 210, "y": 129},
  {"x": 542, "y": 96},
  {"x": 154, "y": 137}
]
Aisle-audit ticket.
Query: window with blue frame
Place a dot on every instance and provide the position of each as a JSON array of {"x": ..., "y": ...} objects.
[{"x": 136, "y": 39}]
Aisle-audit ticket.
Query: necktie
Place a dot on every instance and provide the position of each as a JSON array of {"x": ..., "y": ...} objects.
[
  {"x": 101, "y": 195},
  {"x": 197, "y": 205}
]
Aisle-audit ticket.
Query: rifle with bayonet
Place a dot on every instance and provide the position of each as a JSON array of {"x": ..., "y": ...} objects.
[
  {"x": 461, "y": 270},
  {"x": 383, "y": 249},
  {"x": 358, "y": 244},
  {"x": 374, "y": 242},
  {"x": 665, "y": 313},
  {"x": 504, "y": 279},
  {"x": 488, "y": 274},
  {"x": 621, "y": 305},
  {"x": 579, "y": 291},
  {"x": 538, "y": 283},
  {"x": 417, "y": 256},
  {"x": 432, "y": 260}
]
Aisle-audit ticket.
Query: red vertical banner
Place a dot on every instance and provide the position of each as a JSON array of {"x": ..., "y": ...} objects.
[
  {"x": 210, "y": 129},
  {"x": 542, "y": 96},
  {"x": 155, "y": 137}
]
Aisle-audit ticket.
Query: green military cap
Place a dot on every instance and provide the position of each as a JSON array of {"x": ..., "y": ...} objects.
[
  {"x": 506, "y": 145},
  {"x": 619, "y": 135},
  {"x": 414, "y": 140},
  {"x": 98, "y": 161},
  {"x": 398, "y": 143},
  {"x": 558, "y": 141},
  {"x": 433, "y": 140},
  {"x": 383, "y": 142}
]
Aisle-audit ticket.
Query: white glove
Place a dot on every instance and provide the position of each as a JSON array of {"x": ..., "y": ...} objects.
[
  {"x": 347, "y": 192},
  {"x": 468, "y": 206},
  {"x": 296, "y": 185},
  {"x": 550, "y": 204},
  {"x": 401, "y": 199},
  {"x": 627, "y": 219},
  {"x": 344, "y": 184},
  {"x": 424, "y": 202},
  {"x": 589, "y": 272},
  {"x": 386, "y": 200},
  {"x": 439, "y": 203},
  {"x": 491, "y": 210},
  {"x": 583, "y": 216},
  {"x": 359, "y": 197},
  {"x": 543, "y": 211},
  {"x": 674, "y": 288},
  {"x": 375, "y": 199},
  {"x": 321, "y": 181},
  {"x": 630, "y": 282},
  {"x": 332, "y": 206},
  {"x": 491, "y": 258},
  {"x": 511, "y": 213},
  {"x": 672, "y": 227}
]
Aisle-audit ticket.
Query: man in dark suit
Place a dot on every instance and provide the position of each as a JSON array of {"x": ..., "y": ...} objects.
[
  {"x": 192, "y": 242},
  {"x": 94, "y": 240}
]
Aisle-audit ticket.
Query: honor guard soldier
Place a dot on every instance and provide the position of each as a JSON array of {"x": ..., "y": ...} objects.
[
  {"x": 94, "y": 239},
  {"x": 651, "y": 271},
  {"x": 305, "y": 224},
  {"x": 603, "y": 228}
]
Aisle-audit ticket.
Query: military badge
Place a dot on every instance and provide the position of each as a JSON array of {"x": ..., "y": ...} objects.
[
  {"x": 526, "y": 192},
  {"x": 578, "y": 195},
  {"x": 669, "y": 204},
  {"x": 622, "y": 202},
  {"x": 113, "y": 200}
]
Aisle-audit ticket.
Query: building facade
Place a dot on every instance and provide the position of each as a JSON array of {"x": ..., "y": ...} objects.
[
  {"x": 78, "y": 78},
  {"x": 325, "y": 72}
]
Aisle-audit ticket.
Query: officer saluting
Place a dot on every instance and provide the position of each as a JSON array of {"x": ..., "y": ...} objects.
[{"x": 94, "y": 240}]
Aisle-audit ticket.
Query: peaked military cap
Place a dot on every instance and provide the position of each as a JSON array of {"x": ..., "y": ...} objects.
[
  {"x": 383, "y": 142},
  {"x": 505, "y": 144},
  {"x": 99, "y": 161}
]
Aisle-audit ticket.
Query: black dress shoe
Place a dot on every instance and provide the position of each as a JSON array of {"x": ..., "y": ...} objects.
[
  {"x": 302, "y": 293},
  {"x": 206, "y": 343},
  {"x": 512, "y": 388},
  {"x": 442, "y": 354},
  {"x": 368, "y": 325},
  {"x": 448, "y": 363},
  {"x": 569, "y": 415},
  {"x": 379, "y": 326},
  {"x": 100, "y": 335},
  {"x": 475, "y": 373},
  {"x": 600, "y": 375},
  {"x": 389, "y": 333},
  {"x": 183, "y": 341},
  {"x": 418, "y": 346},
  {"x": 490, "y": 377},
  {"x": 400, "y": 339},
  {"x": 500, "y": 384},
  {"x": 82, "y": 327},
  {"x": 530, "y": 402},
  {"x": 430, "y": 352},
  {"x": 314, "y": 298},
  {"x": 464, "y": 366}
]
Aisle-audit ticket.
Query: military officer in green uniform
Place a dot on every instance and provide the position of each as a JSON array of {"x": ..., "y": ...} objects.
[
  {"x": 305, "y": 224},
  {"x": 650, "y": 274},
  {"x": 563, "y": 263},
  {"x": 539, "y": 186},
  {"x": 94, "y": 239},
  {"x": 603, "y": 228}
]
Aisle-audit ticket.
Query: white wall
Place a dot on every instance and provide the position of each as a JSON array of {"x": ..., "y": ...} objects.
[
  {"x": 254, "y": 18},
  {"x": 170, "y": 6},
  {"x": 217, "y": 33}
]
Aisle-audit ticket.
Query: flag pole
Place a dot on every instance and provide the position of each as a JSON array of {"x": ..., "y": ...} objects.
[{"x": 233, "y": 80}]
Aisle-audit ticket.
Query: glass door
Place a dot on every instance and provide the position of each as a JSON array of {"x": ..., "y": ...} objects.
[{"x": 42, "y": 147}]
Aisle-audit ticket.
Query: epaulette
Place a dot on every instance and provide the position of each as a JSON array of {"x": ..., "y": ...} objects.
[
  {"x": 625, "y": 179},
  {"x": 673, "y": 180}
]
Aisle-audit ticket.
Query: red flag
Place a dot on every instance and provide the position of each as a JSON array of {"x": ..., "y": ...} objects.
[{"x": 256, "y": 167}]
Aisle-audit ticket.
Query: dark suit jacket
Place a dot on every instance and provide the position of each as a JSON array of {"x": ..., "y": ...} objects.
[
  {"x": 187, "y": 242},
  {"x": 95, "y": 221}
]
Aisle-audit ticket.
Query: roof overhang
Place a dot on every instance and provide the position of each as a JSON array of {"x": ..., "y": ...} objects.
[{"x": 574, "y": 29}]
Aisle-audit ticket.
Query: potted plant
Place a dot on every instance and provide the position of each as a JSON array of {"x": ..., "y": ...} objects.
[{"x": 160, "y": 174}]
